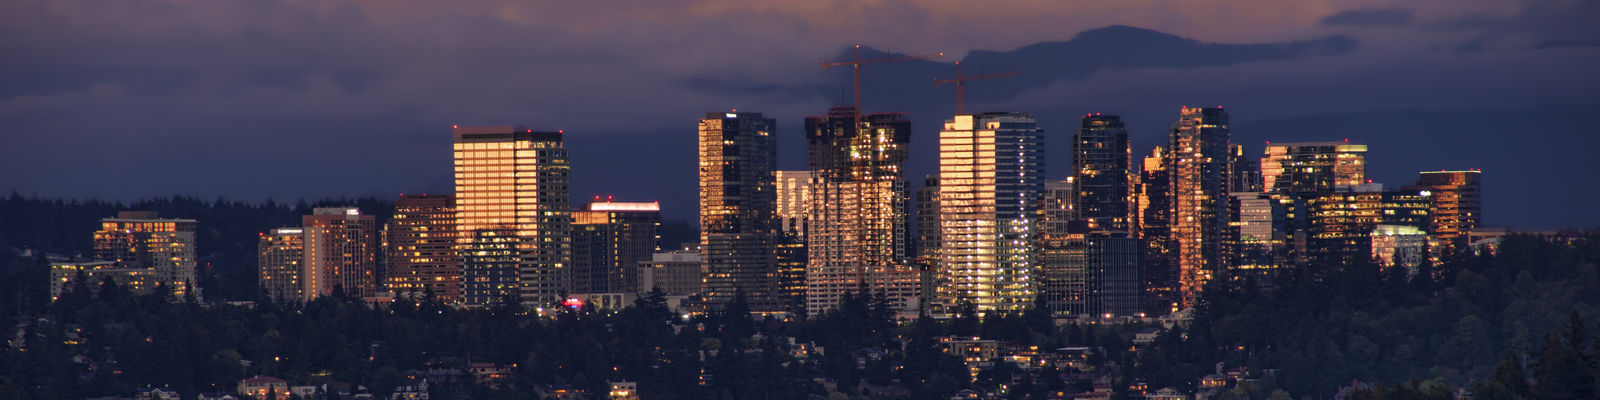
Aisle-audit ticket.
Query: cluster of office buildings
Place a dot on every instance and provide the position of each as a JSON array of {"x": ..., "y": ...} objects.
[{"x": 1121, "y": 236}]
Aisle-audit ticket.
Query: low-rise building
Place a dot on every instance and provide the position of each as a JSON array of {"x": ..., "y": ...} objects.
[{"x": 258, "y": 387}]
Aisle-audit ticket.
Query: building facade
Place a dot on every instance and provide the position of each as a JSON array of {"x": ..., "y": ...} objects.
[
  {"x": 65, "y": 277},
  {"x": 676, "y": 273},
  {"x": 1313, "y": 167},
  {"x": 609, "y": 239},
  {"x": 1159, "y": 269},
  {"x": 513, "y": 214},
  {"x": 420, "y": 254},
  {"x": 1455, "y": 207},
  {"x": 341, "y": 247},
  {"x": 858, "y": 202},
  {"x": 143, "y": 240},
  {"x": 738, "y": 209},
  {"x": 1101, "y": 164},
  {"x": 1198, "y": 157},
  {"x": 281, "y": 260},
  {"x": 991, "y": 169}
]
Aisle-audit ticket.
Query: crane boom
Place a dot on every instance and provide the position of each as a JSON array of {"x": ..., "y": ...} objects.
[
  {"x": 856, "y": 62},
  {"x": 961, "y": 85}
]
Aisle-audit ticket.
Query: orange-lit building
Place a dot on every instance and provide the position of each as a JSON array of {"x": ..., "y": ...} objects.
[
  {"x": 1313, "y": 167},
  {"x": 1198, "y": 158},
  {"x": 340, "y": 253},
  {"x": 142, "y": 240},
  {"x": 513, "y": 214},
  {"x": 858, "y": 215},
  {"x": 738, "y": 221},
  {"x": 281, "y": 263},
  {"x": 420, "y": 252},
  {"x": 65, "y": 275},
  {"x": 991, "y": 174},
  {"x": 1456, "y": 207}
]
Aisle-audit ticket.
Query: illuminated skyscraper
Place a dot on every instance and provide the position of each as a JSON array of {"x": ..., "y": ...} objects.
[
  {"x": 513, "y": 214},
  {"x": 738, "y": 221},
  {"x": 609, "y": 240},
  {"x": 1456, "y": 207},
  {"x": 281, "y": 263},
  {"x": 420, "y": 248},
  {"x": 1100, "y": 160},
  {"x": 341, "y": 247},
  {"x": 991, "y": 173},
  {"x": 141, "y": 240},
  {"x": 1198, "y": 156},
  {"x": 858, "y": 202},
  {"x": 1315, "y": 167},
  {"x": 1159, "y": 269}
]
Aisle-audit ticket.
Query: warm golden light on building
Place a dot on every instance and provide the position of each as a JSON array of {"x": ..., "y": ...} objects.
[
  {"x": 139, "y": 239},
  {"x": 858, "y": 214},
  {"x": 340, "y": 253},
  {"x": 281, "y": 258},
  {"x": 990, "y": 176},
  {"x": 420, "y": 248},
  {"x": 513, "y": 215},
  {"x": 1198, "y": 157},
  {"x": 738, "y": 221}
]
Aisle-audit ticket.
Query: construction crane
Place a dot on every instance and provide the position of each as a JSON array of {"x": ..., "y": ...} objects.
[
  {"x": 856, "y": 62},
  {"x": 961, "y": 85}
]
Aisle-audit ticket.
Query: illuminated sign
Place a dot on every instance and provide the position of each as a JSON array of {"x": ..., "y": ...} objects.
[
  {"x": 573, "y": 303},
  {"x": 731, "y": 115}
]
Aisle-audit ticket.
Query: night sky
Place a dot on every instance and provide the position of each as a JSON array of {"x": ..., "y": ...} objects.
[{"x": 127, "y": 99}]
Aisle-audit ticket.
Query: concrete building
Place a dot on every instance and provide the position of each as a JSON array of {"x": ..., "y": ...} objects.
[
  {"x": 341, "y": 247},
  {"x": 420, "y": 252},
  {"x": 858, "y": 202},
  {"x": 281, "y": 264},
  {"x": 675, "y": 272},
  {"x": 64, "y": 276},
  {"x": 143, "y": 240}
]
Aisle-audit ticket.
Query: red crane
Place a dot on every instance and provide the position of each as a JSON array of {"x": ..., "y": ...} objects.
[
  {"x": 961, "y": 85},
  {"x": 856, "y": 62}
]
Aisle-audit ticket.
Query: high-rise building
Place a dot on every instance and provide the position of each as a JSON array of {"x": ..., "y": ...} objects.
[
  {"x": 1198, "y": 157},
  {"x": 420, "y": 248},
  {"x": 1245, "y": 177},
  {"x": 143, "y": 240},
  {"x": 928, "y": 236},
  {"x": 794, "y": 202},
  {"x": 1159, "y": 269},
  {"x": 991, "y": 173},
  {"x": 858, "y": 202},
  {"x": 609, "y": 239},
  {"x": 1101, "y": 162},
  {"x": 1455, "y": 206},
  {"x": 281, "y": 262},
  {"x": 676, "y": 273},
  {"x": 341, "y": 247},
  {"x": 1058, "y": 209},
  {"x": 513, "y": 214},
  {"x": 738, "y": 208},
  {"x": 1313, "y": 167}
]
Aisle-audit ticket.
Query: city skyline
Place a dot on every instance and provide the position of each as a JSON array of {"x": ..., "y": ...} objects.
[{"x": 1381, "y": 82}]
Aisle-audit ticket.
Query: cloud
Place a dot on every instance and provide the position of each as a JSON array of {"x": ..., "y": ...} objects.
[{"x": 1369, "y": 17}]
